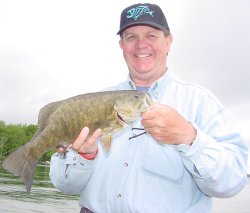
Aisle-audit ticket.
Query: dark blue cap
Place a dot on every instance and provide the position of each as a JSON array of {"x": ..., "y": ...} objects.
[{"x": 143, "y": 14}]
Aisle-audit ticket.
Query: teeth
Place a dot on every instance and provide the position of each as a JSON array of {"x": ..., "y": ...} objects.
[{"x": 142, "y": 55}]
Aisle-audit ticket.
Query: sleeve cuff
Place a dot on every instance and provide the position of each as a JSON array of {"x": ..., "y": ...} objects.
[{"x": 89, "y": 156}]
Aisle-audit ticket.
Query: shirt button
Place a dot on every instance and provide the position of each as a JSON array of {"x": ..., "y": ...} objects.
[
  {"x": 125, "y": 164},
  {"x": 118, "y": 195}
]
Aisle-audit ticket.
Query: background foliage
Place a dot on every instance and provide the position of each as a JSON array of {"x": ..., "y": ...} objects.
[{"x": 12, "y": 136}]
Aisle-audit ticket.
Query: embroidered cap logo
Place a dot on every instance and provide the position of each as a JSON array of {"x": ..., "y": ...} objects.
[{"x": 138, "y": 11}]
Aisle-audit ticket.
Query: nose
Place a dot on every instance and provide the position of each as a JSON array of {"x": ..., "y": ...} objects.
[{"x": 141, "y": 42}]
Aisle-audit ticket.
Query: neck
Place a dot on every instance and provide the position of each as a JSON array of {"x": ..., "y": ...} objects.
[{"x": 143, "y": 81}]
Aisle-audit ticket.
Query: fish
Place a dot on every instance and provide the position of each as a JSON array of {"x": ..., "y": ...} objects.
[
  {"x": 138, "y": 11},
  {"x": 62, "y": 121}
]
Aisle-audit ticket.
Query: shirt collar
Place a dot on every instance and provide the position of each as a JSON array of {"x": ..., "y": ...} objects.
[{"x": 157, "y": 87}]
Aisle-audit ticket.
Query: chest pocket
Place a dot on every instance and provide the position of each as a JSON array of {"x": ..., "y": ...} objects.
[{"x": 163, "y": 161}]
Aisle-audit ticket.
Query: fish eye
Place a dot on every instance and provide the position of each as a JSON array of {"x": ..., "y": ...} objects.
[{"x": 136, "y": 96}]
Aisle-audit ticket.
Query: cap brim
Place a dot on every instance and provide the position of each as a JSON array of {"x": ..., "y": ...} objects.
[{"x": 150, "y": 24}]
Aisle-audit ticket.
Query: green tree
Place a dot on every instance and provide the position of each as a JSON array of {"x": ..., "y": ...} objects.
[{"x": 12, "y": 136}]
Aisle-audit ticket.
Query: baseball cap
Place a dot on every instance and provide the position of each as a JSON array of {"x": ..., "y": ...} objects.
[{"x": 143, "y": 14}]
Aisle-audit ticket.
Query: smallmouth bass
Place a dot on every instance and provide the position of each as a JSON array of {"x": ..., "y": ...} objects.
[{"x": 61, "y": 122}]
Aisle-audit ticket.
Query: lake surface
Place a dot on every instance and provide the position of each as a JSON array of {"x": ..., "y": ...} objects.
[{"x": 45, "y": 198}]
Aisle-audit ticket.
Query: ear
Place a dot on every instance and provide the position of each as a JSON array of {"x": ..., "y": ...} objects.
[
  {"x": 169, "y": 39},
  {"x": 121, "y": 43}
]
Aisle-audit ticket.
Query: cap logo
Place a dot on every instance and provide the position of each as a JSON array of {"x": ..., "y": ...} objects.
[{"x": 136, "y": 12}]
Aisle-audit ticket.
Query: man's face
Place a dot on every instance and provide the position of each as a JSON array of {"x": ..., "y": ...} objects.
[{"x": 145, "y": 50}]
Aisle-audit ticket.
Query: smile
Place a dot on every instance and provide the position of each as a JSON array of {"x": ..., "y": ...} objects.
[{"x": 143, "y": 55}]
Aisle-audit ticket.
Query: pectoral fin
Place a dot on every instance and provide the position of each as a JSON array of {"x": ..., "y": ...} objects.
[{"x": 106, "y": 142}]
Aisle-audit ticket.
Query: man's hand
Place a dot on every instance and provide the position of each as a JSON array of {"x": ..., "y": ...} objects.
[
  {"x": 167, "y": 126},
  {"x": 86, "y": 145}
]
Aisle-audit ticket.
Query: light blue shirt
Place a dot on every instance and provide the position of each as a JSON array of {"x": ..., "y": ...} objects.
[{"x": 141, "y": 175}]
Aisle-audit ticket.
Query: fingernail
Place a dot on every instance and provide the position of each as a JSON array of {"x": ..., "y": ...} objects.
[{"x": 85, "y": 129}]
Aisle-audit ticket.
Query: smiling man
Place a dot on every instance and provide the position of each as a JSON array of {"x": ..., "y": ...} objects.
[
  {"x": 192, "y": 150},
  {"x": 145, "y": 50}
]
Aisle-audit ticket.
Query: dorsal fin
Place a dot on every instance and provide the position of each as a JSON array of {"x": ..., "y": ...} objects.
[{"x": 45, "y": 113}]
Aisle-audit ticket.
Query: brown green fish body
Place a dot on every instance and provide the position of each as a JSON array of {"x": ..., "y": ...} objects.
[{"x": 61, "y": 122}]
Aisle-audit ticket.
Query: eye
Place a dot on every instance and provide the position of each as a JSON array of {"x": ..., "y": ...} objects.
[
  {"x": 130, "y": 37},
  {"x": 152, "y": 36},
  {"x": 136, "y": 96}
]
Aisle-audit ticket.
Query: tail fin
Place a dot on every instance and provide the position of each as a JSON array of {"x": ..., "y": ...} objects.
[{"x": 19, "y": 163}]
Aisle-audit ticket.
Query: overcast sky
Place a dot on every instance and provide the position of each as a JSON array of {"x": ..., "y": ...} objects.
[{"x": 54, "y": 49}]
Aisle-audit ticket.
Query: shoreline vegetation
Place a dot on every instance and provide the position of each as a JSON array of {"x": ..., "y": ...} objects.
[{"x": 12, "y": 136}]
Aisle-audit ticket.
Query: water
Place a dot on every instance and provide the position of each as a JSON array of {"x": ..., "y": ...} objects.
[{"x": 45, "y": 198}]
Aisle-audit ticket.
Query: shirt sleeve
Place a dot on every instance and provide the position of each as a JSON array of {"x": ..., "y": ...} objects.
[
  {"x": 66, "y": 171},
  {"x": 217, "y": 158}
]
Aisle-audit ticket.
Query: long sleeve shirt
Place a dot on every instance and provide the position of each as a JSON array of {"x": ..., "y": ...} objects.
[{"x": 139, "y": 174}]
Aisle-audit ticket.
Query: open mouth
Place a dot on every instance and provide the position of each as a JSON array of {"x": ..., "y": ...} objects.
[
  {"x": 143, "y": 55},
  {"x": 120, "y": 118}
]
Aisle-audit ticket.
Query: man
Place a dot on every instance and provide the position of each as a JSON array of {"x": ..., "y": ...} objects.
[{"x": 192, "y": 151}]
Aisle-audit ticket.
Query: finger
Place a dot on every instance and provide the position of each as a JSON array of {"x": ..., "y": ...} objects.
[
  {"x": 80, "y": 139},
  {"x": 90, "y": 144},
  {"x": 96, "y": 134},
  {"x": 151, "y": 112},
  {"x": 147, "y": 130},
  {"x": 147, "y": 115},
  {"x": 93, "y": 138},
  {"x": 84, "y": 133},
  {"x": 147, "y": 123}
]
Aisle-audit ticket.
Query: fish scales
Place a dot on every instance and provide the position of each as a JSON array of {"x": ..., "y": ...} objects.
[
  {"x": 72, "y": 115},
  {"x": 61, "y": 122}
]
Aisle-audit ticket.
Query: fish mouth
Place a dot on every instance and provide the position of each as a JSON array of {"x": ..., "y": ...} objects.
[
  {"x": 120, "y": 118},
  {"x": 125, "y": 120}
]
